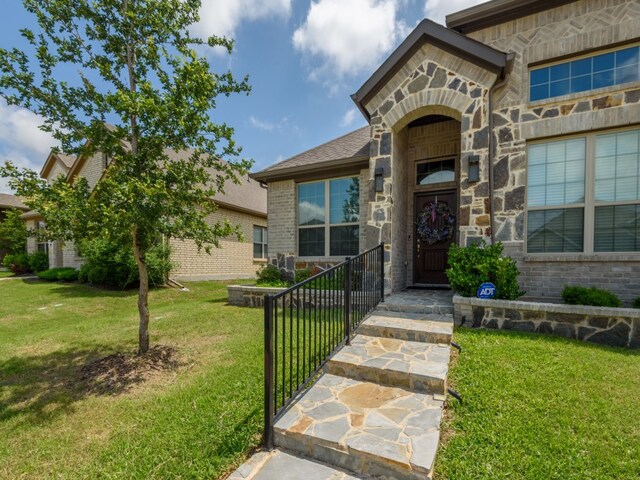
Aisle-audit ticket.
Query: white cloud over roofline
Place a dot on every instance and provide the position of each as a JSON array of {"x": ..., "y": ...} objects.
[{"x": 437, "y": 10}]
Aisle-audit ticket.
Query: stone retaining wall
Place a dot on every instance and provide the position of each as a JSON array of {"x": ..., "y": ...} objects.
[
  {"x": 606, "y": 326},
  {"x": 249, "y": 295}
]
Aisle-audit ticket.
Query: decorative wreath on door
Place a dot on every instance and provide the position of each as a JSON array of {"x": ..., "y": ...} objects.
[{"x": 426, "y": 224}]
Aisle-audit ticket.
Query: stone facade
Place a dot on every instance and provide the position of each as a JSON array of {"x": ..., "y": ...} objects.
[
  {"x": 434, "y": 82},
  {"x": 607, "y": 326}
]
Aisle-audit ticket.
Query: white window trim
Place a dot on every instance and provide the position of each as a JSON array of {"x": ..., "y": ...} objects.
[
  {"x": 589, "y": 205},
  {"x": 265, "y": 245},
  {"x": 586, "y": 93},
  {"x": 327, "y": 218}
]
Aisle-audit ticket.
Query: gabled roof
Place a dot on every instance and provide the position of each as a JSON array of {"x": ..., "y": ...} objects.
[
  {"x": 11, "y": 201},
  {"x": 248, "y": 196},
  {"x": 495, "y": 12},
  {"x": 66, "y": 161},
  {"x": 428, "y": 31},
  {"x": 350, "y": 149}
]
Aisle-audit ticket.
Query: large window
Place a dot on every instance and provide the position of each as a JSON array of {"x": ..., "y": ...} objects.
[
  {"x": 583, "y": 194},
  {"x": 589, "y": 73},
  {"x": 259, "y": 242},
  {"x": 328, "y": 216}
]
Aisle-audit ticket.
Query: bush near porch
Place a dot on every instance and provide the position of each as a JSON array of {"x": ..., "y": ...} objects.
[{"x": 470, "y": 267}]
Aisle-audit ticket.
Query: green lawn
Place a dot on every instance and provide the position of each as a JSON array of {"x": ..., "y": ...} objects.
[
  {"x": 541, "y": 407},
  {"x": 195, "y": 422},
  {"x": 6, "y": 273}
]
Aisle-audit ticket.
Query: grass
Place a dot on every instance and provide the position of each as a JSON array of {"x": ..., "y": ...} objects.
[
  {"x": 6, "y": 273},
  {"x": 198, "y": 421},
  {"x": 541, "y": 407}
]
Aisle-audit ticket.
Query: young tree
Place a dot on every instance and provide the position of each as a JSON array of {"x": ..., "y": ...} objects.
[
  {"x": 140, "y": 88},
  {"x": 13, "y": 232}
]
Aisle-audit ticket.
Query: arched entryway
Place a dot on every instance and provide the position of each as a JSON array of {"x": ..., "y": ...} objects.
[{"x": 432, "y": 196}]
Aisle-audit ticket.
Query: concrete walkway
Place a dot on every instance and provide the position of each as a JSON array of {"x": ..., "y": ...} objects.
[{"x": 376, "y": 410}]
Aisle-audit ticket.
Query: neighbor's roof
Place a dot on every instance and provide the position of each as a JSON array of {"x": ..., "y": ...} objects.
[
  {"x": 248, "y": 195},
  {"x": 11, "y": 201},
  {"x": 495, "y": 12},
  {"x": 350, "y": 149}
]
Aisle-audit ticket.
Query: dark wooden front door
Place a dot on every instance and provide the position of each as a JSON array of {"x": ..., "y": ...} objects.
[{"x": 430, "y": 261}]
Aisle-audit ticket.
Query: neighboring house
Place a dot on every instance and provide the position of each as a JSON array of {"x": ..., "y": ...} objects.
[
  {"x": 243, "y": 204},
  {"x": 9, "y": 202},
  {"x": 521, "y": 118}
]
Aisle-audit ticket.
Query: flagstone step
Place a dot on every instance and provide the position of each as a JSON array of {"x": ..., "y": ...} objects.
[
  {"x": 279, "y": 465},
  {"x": 418, "y": 301},
  {"x": 372, "y": 430},
  {"x": 417, "y": 366},
  {"x": 418, "y": 327}
]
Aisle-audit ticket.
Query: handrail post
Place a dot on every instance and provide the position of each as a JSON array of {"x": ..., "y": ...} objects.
[
  {"x": 382, "y": 272},
  {"x": 347, "y": 300},
  {"x": 268, "y": 371}
]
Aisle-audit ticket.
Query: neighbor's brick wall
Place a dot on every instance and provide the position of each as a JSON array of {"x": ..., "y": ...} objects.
[
  {"x": 70, "y": 257},
  {"x": 31, "y": 241},
  {"x": 234, "y": 258},
  {"x": 55, "y": 172}
]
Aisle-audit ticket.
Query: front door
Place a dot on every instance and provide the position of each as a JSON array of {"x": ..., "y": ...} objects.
[{"x": 430, "y": 254}]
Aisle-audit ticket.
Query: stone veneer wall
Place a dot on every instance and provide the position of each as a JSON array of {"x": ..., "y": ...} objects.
[
  {"x": 607, "y": 326},
  {"x": 433, "y": 82},
  {"x": 565, "y": 30}
]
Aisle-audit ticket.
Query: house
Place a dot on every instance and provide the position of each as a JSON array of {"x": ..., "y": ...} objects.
[
  {"x": 9, "y": 202},
  {"x": 518, "y": 122},
  {"x": 242, "y": 204}
]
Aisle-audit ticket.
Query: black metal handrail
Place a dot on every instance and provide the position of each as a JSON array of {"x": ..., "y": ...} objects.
[{"x": 305, "y": 324}]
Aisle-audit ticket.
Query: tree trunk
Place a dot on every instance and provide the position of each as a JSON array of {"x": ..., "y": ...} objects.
[{"x": 143, "y": 296}]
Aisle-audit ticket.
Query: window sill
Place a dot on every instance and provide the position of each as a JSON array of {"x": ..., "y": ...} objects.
[
  {"x": 260, "y": 260},
  {"x": 549, "y": 102},
  {"x": 582, "y": 257}
]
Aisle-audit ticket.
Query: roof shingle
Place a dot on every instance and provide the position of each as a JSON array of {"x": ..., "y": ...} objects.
[
  {"x": 11, "y": 201},
  {"x": 354, "y": 145}
]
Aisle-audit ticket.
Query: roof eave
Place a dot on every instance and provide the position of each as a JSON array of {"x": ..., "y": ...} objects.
[
  {"x": 447, "y": 39},
  {"x": 302, "y": 170},
  {"x": 496, "y": 12}
]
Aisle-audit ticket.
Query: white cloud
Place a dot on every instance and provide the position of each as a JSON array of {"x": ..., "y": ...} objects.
[
  {"x": 21, "y": 141},
  {"x": 222, "y": 17},
  {"x": 437, "y": 10},
  {"x": 348, "y": 36},
  {"x": 269, "y": 126},
  {"x": 349, "y": 117}
]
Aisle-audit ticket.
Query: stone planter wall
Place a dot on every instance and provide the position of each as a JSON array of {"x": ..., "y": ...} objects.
[
  {"x": 249, "y": 295},
  {"x": 606, "y": 326}
]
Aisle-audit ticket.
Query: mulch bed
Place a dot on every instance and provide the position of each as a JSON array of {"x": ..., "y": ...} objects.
[{"x": 119, "y": 372}]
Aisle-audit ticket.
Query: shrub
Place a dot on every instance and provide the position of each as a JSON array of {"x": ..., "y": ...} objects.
[
  {"x": 596, "y": 297},
  {"x": 269, "y": 276},
  {"x": 302, "y": 274},
  {"x": 470, "y": 267},
  {"x": 38, "y": 262},
  {"x": 636, "y": 303},
  {"x": 112, "y": 265},
  {"x": 18, "y": 263},
  {"x": 65, "y": 274}
]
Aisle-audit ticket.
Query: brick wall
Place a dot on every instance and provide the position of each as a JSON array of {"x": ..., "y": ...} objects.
[
  {"x": 234, "y": 258},
  {"x": 281, "y": 205}
]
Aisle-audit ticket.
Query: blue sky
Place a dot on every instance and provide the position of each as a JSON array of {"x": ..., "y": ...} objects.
[{"x": 304, "y": 59}]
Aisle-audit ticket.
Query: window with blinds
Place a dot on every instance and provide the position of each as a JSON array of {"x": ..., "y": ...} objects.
[{"x": 583, "y": 194}]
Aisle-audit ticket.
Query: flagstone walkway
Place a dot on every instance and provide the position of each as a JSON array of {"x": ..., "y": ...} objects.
[{"x": 376, "y": 410}]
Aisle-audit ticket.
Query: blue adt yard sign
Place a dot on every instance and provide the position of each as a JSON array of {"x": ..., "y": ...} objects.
[{"x": 487, "y": 290}]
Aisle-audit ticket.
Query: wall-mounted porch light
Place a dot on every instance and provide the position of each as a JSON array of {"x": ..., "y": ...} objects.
[
  {"x": 379, "y": 180},
  {"x": 474, "y": 168}
]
